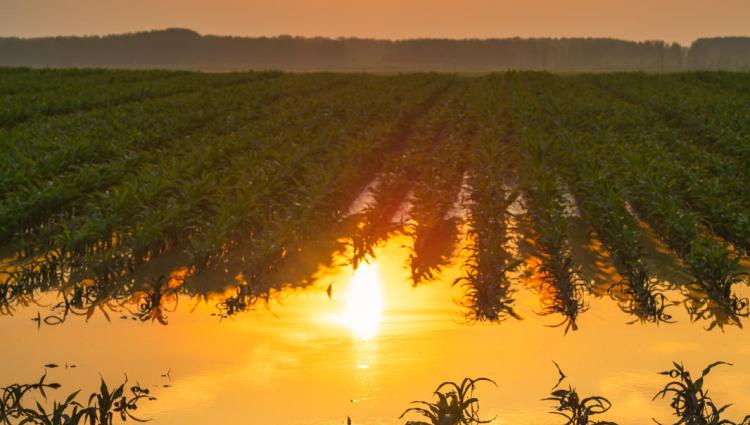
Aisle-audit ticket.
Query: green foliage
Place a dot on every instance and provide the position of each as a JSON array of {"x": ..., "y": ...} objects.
[{"x": 111, "y": 171}]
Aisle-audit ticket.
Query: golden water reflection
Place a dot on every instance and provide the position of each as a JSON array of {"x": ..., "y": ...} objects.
[
  {"x": 364, "y": 303},
  {"x": 369, "y": 349}
]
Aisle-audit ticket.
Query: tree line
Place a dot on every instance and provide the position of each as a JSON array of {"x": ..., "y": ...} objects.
[{"x": 186, "y": 49}]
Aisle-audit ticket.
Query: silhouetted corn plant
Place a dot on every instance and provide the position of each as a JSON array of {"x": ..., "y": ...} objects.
[
  {"x": 690, "y": 401},
  {"x": 575, "y": 409},
  {"x": 103, "y": 407},
  {"x": 455, "y": 405}
]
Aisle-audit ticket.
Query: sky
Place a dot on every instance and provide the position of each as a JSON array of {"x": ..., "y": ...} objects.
[{"x": 671, "y": 20}]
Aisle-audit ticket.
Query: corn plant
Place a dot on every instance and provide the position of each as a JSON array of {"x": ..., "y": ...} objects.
[
  {"x": 690, "y": 401},
  {"x": 489, "y": 294},
  {"x": 440, "y": 139},
  {"x": 577, "y": 410},
  {"x": 103, "y": 407},
  {"x": 455, "y": 405},
  {"x": 561, "y": 285}
]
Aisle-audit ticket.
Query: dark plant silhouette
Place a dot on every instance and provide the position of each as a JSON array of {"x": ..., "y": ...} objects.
[
  {"x": 103, "y": 407},
  {"x": 455, "y": 405},
  {"x": 690, "y": 401},
  {"x": 575, "y": 409}
]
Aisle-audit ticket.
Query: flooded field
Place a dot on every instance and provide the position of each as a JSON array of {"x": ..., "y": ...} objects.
[
  {"x": 375, "y": 345},
  {"x": 323, "y": 248}
]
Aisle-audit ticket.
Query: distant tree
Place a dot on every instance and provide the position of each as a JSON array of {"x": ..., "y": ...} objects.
[{"x": 185, "y": 49}]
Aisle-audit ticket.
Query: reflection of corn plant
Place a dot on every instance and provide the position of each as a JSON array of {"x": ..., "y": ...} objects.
[
  {"x": 248, "y": 293},
  {"x": 376, "y": 223},
  {"x": 455, "y": 405},
  {"x": 433, "y": 244},
  {"x": 440, "y": 140},
  {"x": 602, "y": 203},
  {"x": 645, "y": 300},
  {"x": 153, "y": 303},
  {"x": 487, "y": 274},
  {"x": 102, "y": 407},
  {"x": 626, "y": 139},
  {"x": 13, "y": 293},
  {"x": 233, "y": 186},
  {"x": 489, "y": 295},
  {"x": 720, "y": 273},
  {"x": 653, "y": 181},
  {"x": 575, "y": 409},
  {"x": 85, "y": 298},
  {"x": 690, "y": 400},
  {"x": 562, "y": 285}
]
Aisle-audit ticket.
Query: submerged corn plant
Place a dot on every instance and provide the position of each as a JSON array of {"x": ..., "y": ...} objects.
[
  {"x": 103, "y": 407},
  {"x": 690, "y": 401},
  {"x": 434, "y": 243},
  {"x": 492, "y": 261},
  {"x": 577, "y": 410},
  {"x": 563, "y": 290},
  {"x": 378, "y": 221},
  {"x": 434, "y": 226},
  {"x": 455, "y": 405},
  {"x": 646, "y": 300},
  {"x": 253, "y": 183},
  {"x": 602, "y": 204},
  {"x": 250, "y": 289},
  {"x": 489, "y": 294},
  {"x": 716, "y": 301}
]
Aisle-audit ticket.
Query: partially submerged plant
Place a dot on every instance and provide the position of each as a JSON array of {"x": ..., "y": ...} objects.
[
  {"x": 690, "y": 401},
  {"x": 645, "y": 300},
  {"x": 720, "y": 273},
  {"x": 455, "y": 405},
  {"x": 575, "y": 409},
  {"x": 562, "y": 286},
  {"x": 101, "y": 408}
]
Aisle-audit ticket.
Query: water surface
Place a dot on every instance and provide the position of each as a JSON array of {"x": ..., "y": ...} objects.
[{"x": 376, "y": 344}]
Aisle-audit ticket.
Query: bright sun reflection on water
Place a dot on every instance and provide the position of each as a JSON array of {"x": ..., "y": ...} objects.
[{"x": 364, "y": 304}]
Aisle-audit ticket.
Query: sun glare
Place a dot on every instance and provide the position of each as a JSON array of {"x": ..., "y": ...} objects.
[{"x": 365, "y": 301}]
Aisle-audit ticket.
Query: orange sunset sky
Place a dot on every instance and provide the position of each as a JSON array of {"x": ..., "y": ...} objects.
[{"x": 671, "y": 20}]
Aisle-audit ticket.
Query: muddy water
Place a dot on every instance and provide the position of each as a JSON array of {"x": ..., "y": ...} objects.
[{"x": 376, "y": 344}]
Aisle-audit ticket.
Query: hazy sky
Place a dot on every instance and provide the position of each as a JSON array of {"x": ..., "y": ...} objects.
[{"x": 671, "y": 20}]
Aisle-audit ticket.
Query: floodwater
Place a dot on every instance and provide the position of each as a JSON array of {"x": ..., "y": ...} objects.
[{"x": 374, "y": 345}]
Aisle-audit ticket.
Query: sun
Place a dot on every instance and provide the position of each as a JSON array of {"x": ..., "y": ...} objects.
[{"x": 364, "y": 304}]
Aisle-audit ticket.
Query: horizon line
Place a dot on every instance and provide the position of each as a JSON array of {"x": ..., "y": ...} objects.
[{"x": 353, "y": 37}]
